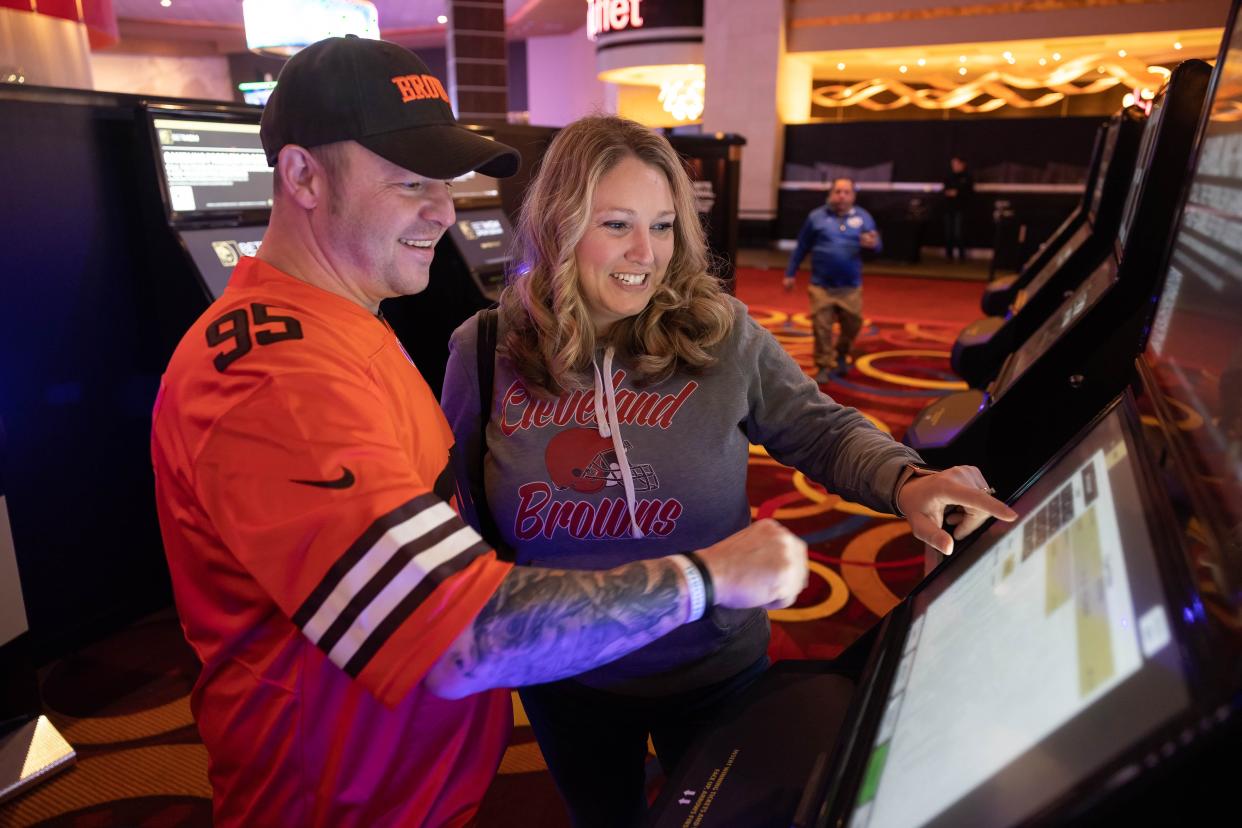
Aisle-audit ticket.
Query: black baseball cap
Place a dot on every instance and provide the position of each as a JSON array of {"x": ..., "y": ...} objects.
[{"x": 383, "y": 96}]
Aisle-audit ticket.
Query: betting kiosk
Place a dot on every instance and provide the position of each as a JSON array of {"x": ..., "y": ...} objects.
[
  {"x": 212, "y": 192},
  {"x": 982, "y": 346},
  {"x": 1001, "y": 291},
  {"x": 1082, "y": 356},
  {"x": 467, "y": 275},
  {"x": 1082, "y": 665}
]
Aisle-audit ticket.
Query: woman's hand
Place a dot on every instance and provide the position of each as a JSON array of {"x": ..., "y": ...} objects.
[{"x": 926, "y": 499}]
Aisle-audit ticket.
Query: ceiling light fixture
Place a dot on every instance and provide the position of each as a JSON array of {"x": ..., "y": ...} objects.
[
  {"x": 442, "y": 19},
  {"x": 682, "y": 98}
]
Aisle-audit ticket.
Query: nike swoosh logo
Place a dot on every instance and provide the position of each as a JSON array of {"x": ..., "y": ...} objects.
[{"x": 343, "y": 482}]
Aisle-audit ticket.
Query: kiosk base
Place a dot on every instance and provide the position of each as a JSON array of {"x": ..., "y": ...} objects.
[
  {"x": 752, "y": 770},
  {"x": 979, "y": 351},
  {"x": 998, "y": 295},
  {"x": 937, "y": 425}
]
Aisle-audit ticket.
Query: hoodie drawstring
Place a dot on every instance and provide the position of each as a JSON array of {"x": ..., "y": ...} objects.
[{"x": 609, "y": 427}]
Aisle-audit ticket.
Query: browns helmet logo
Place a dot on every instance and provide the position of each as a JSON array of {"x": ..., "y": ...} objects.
[{"x": 582, "y": 460}]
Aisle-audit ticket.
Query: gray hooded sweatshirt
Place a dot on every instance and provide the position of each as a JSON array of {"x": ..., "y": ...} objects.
[{"x": 668, "y": 474}]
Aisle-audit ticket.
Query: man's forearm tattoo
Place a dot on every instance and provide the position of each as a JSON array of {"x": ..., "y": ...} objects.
[{"x": 543, "y": 624}]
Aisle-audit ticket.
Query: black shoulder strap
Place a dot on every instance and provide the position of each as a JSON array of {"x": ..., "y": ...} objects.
[
  {"x": 487, "y": 364},
  {"x": 486, "y": 354}
]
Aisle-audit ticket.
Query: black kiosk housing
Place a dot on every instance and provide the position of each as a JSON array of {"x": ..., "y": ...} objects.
[
  {"x": 1083, "y": 354},
  {"x": 982, "y": 346}
]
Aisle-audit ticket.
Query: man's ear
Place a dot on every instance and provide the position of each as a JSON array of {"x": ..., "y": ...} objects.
[{"x": 302, "y": 178}]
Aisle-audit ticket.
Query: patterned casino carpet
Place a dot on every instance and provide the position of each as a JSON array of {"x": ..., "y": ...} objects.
[{"x": 123, "y": 703}]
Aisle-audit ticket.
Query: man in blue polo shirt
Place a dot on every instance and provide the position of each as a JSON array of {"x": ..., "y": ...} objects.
[{"x": 835, "y": 234}]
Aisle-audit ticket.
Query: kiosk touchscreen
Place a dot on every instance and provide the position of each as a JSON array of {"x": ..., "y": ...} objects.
[
  {"x": 210, "y": 167},
  {"x": 1047, "y": 656},
  {"x": 215, "y": 184}
]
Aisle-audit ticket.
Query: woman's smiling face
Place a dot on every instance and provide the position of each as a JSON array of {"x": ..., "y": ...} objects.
[{"x": 627, "y": 246}]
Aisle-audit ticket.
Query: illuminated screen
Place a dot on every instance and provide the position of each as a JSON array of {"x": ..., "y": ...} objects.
[
  {"x": 1047, "y": 653},
  {"x": 1195, "y": 345},
  {"x": 212, "y": 166},
  {"x": 484, "y": 238},
  {"x": 1087, "y": 294},
  {"x": 1150, "y": 130},
  {"x": 216, "y": 251}
]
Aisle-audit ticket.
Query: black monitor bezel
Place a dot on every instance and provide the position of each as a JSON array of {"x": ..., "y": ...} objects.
[
  {"x": 1203, "y": 682},
  {"x": 1112, "y": 136},
  {"x": 1138, "y": 179},
  {"x": 230, "y": 113}
]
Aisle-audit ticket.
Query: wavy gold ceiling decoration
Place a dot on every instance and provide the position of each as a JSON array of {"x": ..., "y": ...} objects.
[
  {"x": 998, "y": 87},
  {"x": 975, "y": 10}
]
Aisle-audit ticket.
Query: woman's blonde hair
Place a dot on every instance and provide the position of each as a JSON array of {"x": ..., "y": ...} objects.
[{"x": 550, "y": 338}]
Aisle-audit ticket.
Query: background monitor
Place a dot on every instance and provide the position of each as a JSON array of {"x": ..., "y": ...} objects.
[
  {"x": 484, "y": 239},
  {"x": 1048, "y": 655},
  {"x": 211, "y": 165}
]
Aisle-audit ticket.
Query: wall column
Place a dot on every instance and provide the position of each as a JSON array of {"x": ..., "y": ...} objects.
[
  {"x": 743, "y": 50},
  {"x": 48, "y": 42},
  {"x": 478, "y": 68}
]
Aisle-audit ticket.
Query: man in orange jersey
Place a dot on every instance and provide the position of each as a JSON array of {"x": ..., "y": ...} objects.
[{"x": 354, "y": 632}]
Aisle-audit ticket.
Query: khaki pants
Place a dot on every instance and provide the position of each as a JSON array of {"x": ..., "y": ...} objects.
[{"x": 839, "y": 305}]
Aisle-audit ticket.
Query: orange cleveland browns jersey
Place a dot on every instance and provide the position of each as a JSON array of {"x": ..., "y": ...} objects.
[{"x": 301, "y": 467}]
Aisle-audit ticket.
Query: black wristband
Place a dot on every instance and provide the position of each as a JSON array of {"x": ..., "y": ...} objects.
[{"x": 709, "y": 589}]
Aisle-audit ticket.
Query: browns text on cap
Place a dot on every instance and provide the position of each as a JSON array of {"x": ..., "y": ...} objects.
[{"x": 382, "y": 96}]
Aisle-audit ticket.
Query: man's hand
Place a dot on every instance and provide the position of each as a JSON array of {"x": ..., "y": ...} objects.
[
  {"x": 764, "y": 565},
  {"x": 789, "y": 284},
  {"x": 925, "y": 499},
  {"x": 950, "y": 192},
  {"x": 869, "y": 239}
]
